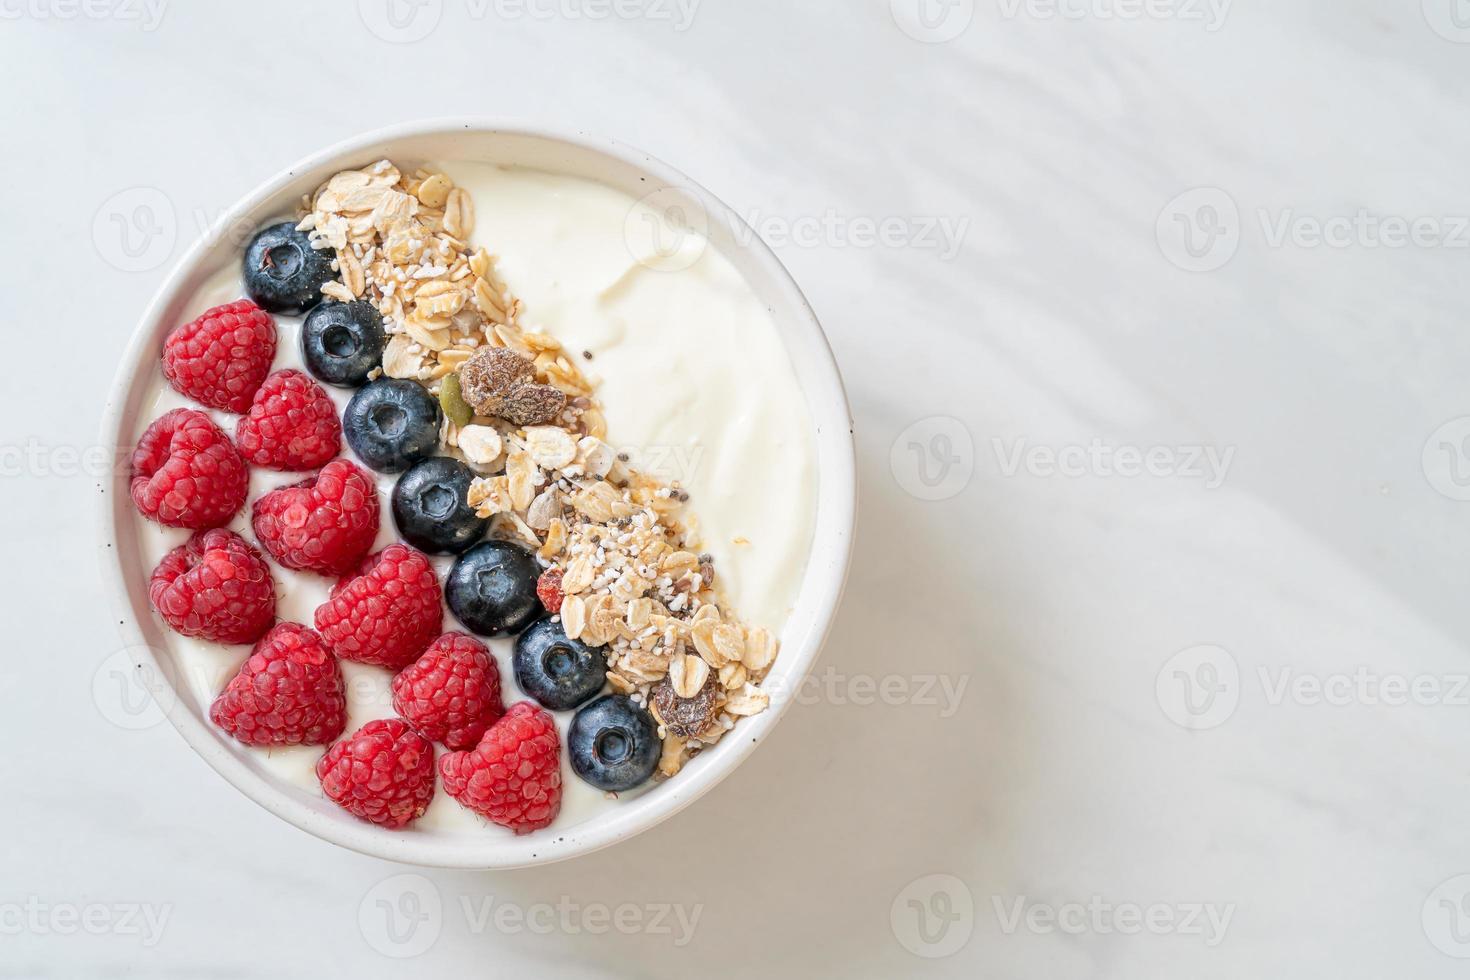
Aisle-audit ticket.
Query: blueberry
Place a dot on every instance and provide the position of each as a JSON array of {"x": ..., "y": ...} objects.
[
  {"x": 283, "y": 273},
  {"x": 613, "y": 743},
  {"x": 557, "y": 671},
  {"x": 492, "y": 588},
  {"x": 430, "y": 508},
  {"x": 392, "y": 424},
  {"x": 343, "y": 342}
]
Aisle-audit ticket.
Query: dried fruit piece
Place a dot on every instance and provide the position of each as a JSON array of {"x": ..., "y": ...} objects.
[
  {"x": 497, "y": 381},
  {"x": 548, "y": 590},
  {"x": 489, "y": 376},
  {"x": 533, "y": 404},
  {"x": 687, "y": 717}
]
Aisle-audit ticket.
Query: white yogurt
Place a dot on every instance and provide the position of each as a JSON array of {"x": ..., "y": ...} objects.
[{"x": 695, "y": 385}]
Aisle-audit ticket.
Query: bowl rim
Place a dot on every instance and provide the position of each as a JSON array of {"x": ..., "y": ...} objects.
[{"x": 836, "y": 503}]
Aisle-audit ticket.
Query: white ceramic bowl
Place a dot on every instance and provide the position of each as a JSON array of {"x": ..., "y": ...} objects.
[{"x": 622, "y": 168}]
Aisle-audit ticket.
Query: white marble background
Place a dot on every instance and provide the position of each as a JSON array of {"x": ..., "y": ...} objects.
[{"x": 1209, "y": 719}]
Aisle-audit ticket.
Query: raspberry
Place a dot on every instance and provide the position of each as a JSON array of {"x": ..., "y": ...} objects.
[
  {"x": 216, "y": 587},
  {"x": 221, "y": 358},
  {"x": 325, "y": 524},
  {"x": 187, "y": 473},
  {"x": 288, "y": 692},
  {"x": 386, "y": 612},
  {"x": 452, "y": 692},
  {"x": 513, "y": 777},
  {"x": 292, "y": 424},
  {"x": 548, "y": 590},
  {"x": 383, "y": 773}
]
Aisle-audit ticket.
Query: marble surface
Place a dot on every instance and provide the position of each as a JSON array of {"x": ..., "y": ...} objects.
[{"x": 1152, "y": 662}]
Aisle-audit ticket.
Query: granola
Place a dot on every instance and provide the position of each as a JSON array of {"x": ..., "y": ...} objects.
[
  {"x": 401, "y": 242},
  {"x": 631, "y": 583},
  {"x": 633, "y": 580}
]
